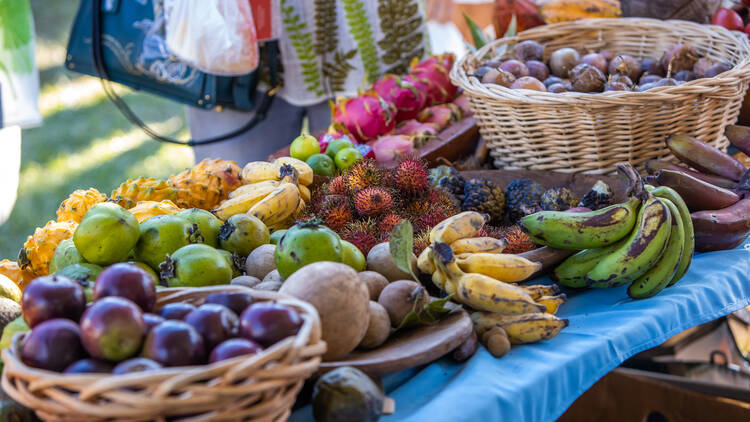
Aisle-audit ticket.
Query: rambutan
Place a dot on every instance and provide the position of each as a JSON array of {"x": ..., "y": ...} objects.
[
  {"x": 373, "y": 201},
  {"x": 411, "y": 177},
  {"x": 517, "y": 241},
  {"x": 440, "y": 198},
  {"x": 364, "y": 174},
  {"x": 432, "y": 217},
  {"x": 337, "y": 186},
  {"x": 361, "y": 234},
  {"x": 421, "y": 242},
  {"x": 389, "y": 222},
  {"x": 335, "y": 211}
]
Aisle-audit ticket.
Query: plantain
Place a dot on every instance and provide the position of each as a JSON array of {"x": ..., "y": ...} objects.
[
  {"x": 658, "y": 276},
  {"x": 424, "y": 261},
  {"x": 585, "y": 230},
  {"x": 304, "y": 193},
  {"x": 248, "y": 189},
  {"x": 503, "y": 267},
  {"x": 259, "y": 171},
  {"x": 552, "y": 303},
  {"x": 572, "y": 272},
  {"x": 697, "y": 194},
  {"x": 440, "y": 276},
  {"x": 639, "y": 252},
  {"x": 521, "y": 328},
  {"x": 278, "y": 206},
  {"x": 243, "y": 202},
  {"x": 704, "y": 157},
  {"x": 304, "y": 171},
  {"x": 478, "y": 244},
  {"x": 687, "y": 223},
  {"x": 539, "y": 290},
  {"x": 460, "y": 226}
]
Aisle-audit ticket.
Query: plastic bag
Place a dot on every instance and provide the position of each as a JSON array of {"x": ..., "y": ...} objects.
[
  {"x": 19, "y": 77},
  {"x": 215, "y": 36}
]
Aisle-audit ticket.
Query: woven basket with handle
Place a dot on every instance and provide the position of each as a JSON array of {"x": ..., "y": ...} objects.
[
  {"x": 261, "y": 387},
  {"x": 577, "y": 132}
]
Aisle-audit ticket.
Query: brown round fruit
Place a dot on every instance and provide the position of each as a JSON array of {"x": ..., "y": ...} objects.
[
  {"x": 112, "y": 329},
  {"x": 620, "y": 78},
  {"x": 374, "y": 281},
  {"x": 234, "y": 347},
  {"x": 701, "y": 66},
  {"x": 341, "y": 299},
  {"x": 50, "y": 297},
  {"x": 587, "y": 78},
  {"x": 52, "y": 345},
  {"x": 527, "y": 82},
  {"x": 651, "y": 66},
  {"x": 379, "y": 327},
  {"x": 401, "y": 297},
  {"x": 679, "y": 57},
  {"x": 553, "y": 80},
  {"x": 563, "y": 60},
  {"x": 379, "y": 259},
  {"x": 596, "y": 60},
  {"x": 260, "y": 262},
  {"x": 174, "y": 343},
  {"x": 626, "y": 65},
  {"x": 529, "y": 50},
  {"x": 557, "y": 88},
  {"x": 129, "y": 281},
  {"x": 481, "y": 71},
  {"x": 515, "y": 68},
  {"x": 214, "y": 322},
  {"x": 537, "y": 70}
]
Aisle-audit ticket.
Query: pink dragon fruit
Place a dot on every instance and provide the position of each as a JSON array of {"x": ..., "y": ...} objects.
[
  {"x": 442, "y": 115},
  {"x": 463, "y": 103},
  {"x": 391, "y": 147},
  {"x": 365, "y": 117},
  {"x": 421, "y": 133},
  {"x": 434, "y": 73},
  {"x": 404, "y": 96},
  {"x": 443, "y": 60}
]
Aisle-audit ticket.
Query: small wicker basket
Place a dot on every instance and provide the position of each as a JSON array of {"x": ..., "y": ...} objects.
[
  {"x": 576, "y": 132},
  {"x": 259, "y": 388}
]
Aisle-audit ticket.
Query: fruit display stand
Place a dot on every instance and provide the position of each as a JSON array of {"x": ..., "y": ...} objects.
[{"x": 539, "y": 382}]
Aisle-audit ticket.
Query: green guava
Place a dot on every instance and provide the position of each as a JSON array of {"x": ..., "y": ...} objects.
[
  {"x": 242, "y": 233},
  {"x": 277, "y": 235},
  {"x": 85, "y": 274},
  {"x": 305, "y": 243},
  {"x": 352, "y": 256},
  {"x": 233, "y": 259},
  {"x": 162, "y": 235},
  {"x": 208, "y": 225},
  {"x": 65, "y": 254},
  {"x": 196, "y": 265},
  {"x": 106, "y": 234}
]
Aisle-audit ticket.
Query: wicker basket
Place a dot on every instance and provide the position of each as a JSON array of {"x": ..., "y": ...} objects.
[
  {"x": 259, "y": 388},
  {"x": 575, "y": 132}
]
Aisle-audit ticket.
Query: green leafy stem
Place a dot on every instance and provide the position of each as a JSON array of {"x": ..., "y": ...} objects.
[
  {"x": 359, "y": 27},
  {"x": 303, "y": 45}
]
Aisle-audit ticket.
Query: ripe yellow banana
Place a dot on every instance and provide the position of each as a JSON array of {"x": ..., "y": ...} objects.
[
  {"x": 248, "y": 189},
  {"x": 424, "y": 262},
  {"x": 440, "y": 276},
  {"x": 460, "y": 226},
  {"x": 258, "y": 171},
  {"x": 304, "y": 193},
  {"x": 243, "y": 202},
  {"x": 478, "y": 244},
  {"x": 278, "y": 206},
  {"x": 504, "y": 267},
  {"x": 522, "y": 328},
  {"x": 552, "y": 303},
  {"x": 538, "y": 290},
  {"x": 304, "y": 170}
]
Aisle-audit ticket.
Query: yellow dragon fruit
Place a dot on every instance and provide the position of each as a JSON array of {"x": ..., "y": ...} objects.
[
  {"x": 207, "y": 184},
  {"x": 131, "y": 192},
  {"x": 11, "y": 269},
  {"x": 147, "y": 209},
  {"x": 39, "y": 248},
  {"x": 75, "y": 206}
]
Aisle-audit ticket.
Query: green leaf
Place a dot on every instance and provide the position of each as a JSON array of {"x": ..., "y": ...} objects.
[
  {"x": 512, "y": 26},
  {"x": 402, "y": 246},
  {"x": 429, "y": 315},
  {"x": 476, "y": 32}
]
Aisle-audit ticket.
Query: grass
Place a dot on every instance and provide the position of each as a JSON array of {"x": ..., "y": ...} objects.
[{"x": 84, "y": 140}]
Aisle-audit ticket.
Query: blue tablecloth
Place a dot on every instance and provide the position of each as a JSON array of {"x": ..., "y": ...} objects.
[{"x": 539, "y": 382}]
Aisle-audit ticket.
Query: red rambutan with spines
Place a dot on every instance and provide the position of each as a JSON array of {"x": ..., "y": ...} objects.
[
  {"x": 388, "y": 222},
  {"x": 410, "y": 177},
  {"x": 337, "y": 186},
  {"x": 517, "y": 241},
  {"x": 421, "y": 242},
  {"x": 361, "y": 234},
  {"x": 335, "y": 211},
  {"x": 364, "y": 174},
  {"x": 373, "y": 201},
  {"x": 432, "y": 217}
]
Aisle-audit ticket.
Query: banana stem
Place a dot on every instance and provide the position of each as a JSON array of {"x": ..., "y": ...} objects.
[
  {"x": 305, "y": 126},
  {"x": 635, "y": 183}
]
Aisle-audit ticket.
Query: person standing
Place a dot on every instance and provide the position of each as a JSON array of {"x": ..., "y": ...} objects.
[{"x": 329, "y": 48}]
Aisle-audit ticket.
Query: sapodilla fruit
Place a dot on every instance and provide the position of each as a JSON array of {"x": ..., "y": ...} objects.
[
  {"x": 373, "y": 201},
  {"x": 402, "y": 95},
  {"x": 365, "y": 117}
]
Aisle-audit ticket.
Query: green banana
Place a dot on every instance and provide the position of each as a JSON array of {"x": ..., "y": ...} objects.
[
  {"x": 585, "y": 230},
  {"x": 641, "y": 250},
  {"x": 658, "y": 276},
  {"x": 572, "y": 272},
  {"x": 687, "y": 222}
]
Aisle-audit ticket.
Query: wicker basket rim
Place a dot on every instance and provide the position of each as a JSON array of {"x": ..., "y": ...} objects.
[
  {"x": 740, "y": 70},
  {"x": 309, "y": 315}
]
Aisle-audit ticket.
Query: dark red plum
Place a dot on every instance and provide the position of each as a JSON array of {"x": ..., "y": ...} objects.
[
  {"x": 234, "y": 347},
  {"x": 88, "y": 366},
  {"x": 135, "y": 365},
  {"x": 175, "y": 343},
  {"x": 151, "y": 321},
  {"x": 214, "y": 322},
  {"x": 269, "y": 322},
  {"x": 51, "y": 297},
  {"x": 177, "y": 310},
  {"x": 129, "y": 281},
  {"x": 53, "y": 345},
  {"x": 112, "y": 329},
  {"x": 236, "y": 301}
]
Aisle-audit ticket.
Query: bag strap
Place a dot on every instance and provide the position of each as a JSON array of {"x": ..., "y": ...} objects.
[{"x": 101, "y": 69}]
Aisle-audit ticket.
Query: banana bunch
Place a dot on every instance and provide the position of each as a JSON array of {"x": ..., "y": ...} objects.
[
  {"x": 275, "y": 192},
  {"x": 646, "y": 242}
]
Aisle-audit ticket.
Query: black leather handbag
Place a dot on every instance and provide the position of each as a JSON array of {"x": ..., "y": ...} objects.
[{"x": 123, "y": 41}]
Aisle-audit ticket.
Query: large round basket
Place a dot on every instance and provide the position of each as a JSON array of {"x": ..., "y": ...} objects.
[
  {"x": 262, "y": 387},
  {"x": 577, "y": 132}
]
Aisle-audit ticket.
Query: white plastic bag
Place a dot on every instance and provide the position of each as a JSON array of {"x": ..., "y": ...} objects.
[{"x": 215, "y": 36}]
